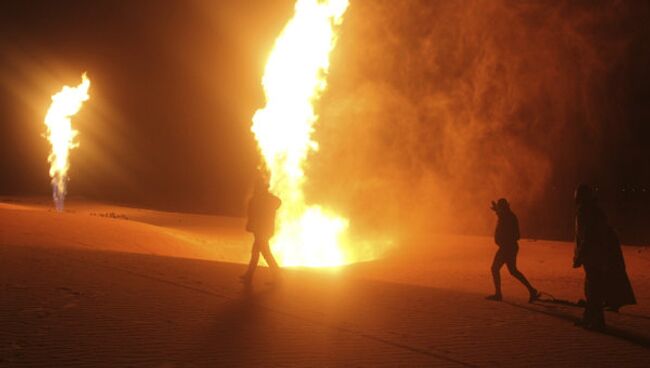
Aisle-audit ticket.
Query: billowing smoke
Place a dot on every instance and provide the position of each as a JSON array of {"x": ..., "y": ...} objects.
[{"x": 434, "y": 108}]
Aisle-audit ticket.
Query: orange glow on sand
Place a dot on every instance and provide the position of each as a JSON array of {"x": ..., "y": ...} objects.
[
  {"x": 296, "y": 76},
  {"x": 65, "y": 104}
]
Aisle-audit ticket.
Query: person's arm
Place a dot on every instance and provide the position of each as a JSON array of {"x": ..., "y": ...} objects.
[
  {"x": 498, "y": 233},
  {"x": 250, "y": 225},
  {"x": 581, "y": 234}
]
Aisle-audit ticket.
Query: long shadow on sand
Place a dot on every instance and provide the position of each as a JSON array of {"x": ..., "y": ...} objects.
[
  {"x": 629, "y": 336},
  {"x": 552, "y": 300},
  {"x": 240, "y": 330}
]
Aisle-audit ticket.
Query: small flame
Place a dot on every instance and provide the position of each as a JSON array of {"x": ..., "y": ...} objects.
[
  {"x": 65, "y": 104},
  {"x": 295, "y": 77}
]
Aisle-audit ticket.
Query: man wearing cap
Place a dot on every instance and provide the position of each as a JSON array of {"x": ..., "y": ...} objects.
[{"x": 506, "y": 236}]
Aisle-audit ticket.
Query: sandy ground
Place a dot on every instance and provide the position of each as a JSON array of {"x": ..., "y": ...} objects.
[{"x": 108, "y": 286}]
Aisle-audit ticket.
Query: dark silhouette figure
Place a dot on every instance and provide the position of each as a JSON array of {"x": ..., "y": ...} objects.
[
  {"x": 618, "y": 290},
  {"x": 506, "y": 236},
  {"x": 598, "y": 251},
  {"x": 261, "y": 222},
  {"x": 590, "y": 253}
]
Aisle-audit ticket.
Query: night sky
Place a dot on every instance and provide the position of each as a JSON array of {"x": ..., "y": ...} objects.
[{"x": 433, "y": 109}]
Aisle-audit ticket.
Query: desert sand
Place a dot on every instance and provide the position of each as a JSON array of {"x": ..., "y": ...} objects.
[{"x": 108, "y": 286}]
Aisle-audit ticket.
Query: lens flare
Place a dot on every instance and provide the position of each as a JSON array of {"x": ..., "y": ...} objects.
[
  {"x": 65, "y": 104},
  {"x": 295, "y": 77}
]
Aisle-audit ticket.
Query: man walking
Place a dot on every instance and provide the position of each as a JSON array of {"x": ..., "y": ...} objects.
[
  {"x": 506, "y": 236},
  {"x": 261, "y": 222}
]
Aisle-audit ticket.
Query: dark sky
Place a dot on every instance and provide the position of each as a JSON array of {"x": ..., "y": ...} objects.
[{"x": 434, "y": 107}]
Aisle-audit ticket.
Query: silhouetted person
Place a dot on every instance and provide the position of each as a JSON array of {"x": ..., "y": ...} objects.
[
  {"x": 506, "y": 236},
  {"x": 261, "y": 222},
  {"x": 598, "y": 251},
  {"x": 618, "y": 290}
]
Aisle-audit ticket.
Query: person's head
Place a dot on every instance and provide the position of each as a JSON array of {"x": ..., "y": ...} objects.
[
  {"x": 584, "y": 194},
  {"x": 501, "y": 205}
]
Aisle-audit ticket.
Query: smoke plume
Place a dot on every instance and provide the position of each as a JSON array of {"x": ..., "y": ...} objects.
[{"x": 436, "y": 108}]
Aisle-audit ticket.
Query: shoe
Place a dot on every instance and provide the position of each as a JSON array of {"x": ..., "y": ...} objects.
[
  {"x": 534, "y": 296},
  {"x": 495, "y": 297}
]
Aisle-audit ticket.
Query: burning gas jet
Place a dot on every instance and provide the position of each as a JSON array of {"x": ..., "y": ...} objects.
[
  {"x": 65, "y": 104},
  {"x": 295, "y": 76}
]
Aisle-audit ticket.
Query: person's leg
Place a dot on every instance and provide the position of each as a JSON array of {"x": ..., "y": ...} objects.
[
  {"x": 586, "y": 315},
  {"x": 599, "y": 299},
  {"x": 593, "y": 316},
  {"x": 252, "y": 264},
  {"x": 497, "y": 263},
  {"x": 268, "y": 257},
  {"x": 511, "y": 262}
]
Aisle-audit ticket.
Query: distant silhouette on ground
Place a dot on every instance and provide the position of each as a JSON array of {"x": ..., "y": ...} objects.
[
  {"x": 261, "y": 222},
  {"x": 598, "y": 251},
  {"x": 506, "y": 236}
]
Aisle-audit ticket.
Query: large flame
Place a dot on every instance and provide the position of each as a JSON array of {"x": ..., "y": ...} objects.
[
  {"x": 295, "y": 76},
  {"x": 65, "y": 104}
]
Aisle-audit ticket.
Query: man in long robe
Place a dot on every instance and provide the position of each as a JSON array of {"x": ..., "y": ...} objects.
[{"x": 592, "y": 252}]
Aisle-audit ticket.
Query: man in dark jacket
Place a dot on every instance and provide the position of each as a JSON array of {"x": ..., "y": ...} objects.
[
  {"x": 261, "y": 222},
  {"x": 506, "y": 236}
]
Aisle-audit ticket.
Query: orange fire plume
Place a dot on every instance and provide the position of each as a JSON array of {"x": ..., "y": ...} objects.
[
  {"x": 295, "y": 77},
  {"x": 65, "y": 104}
]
